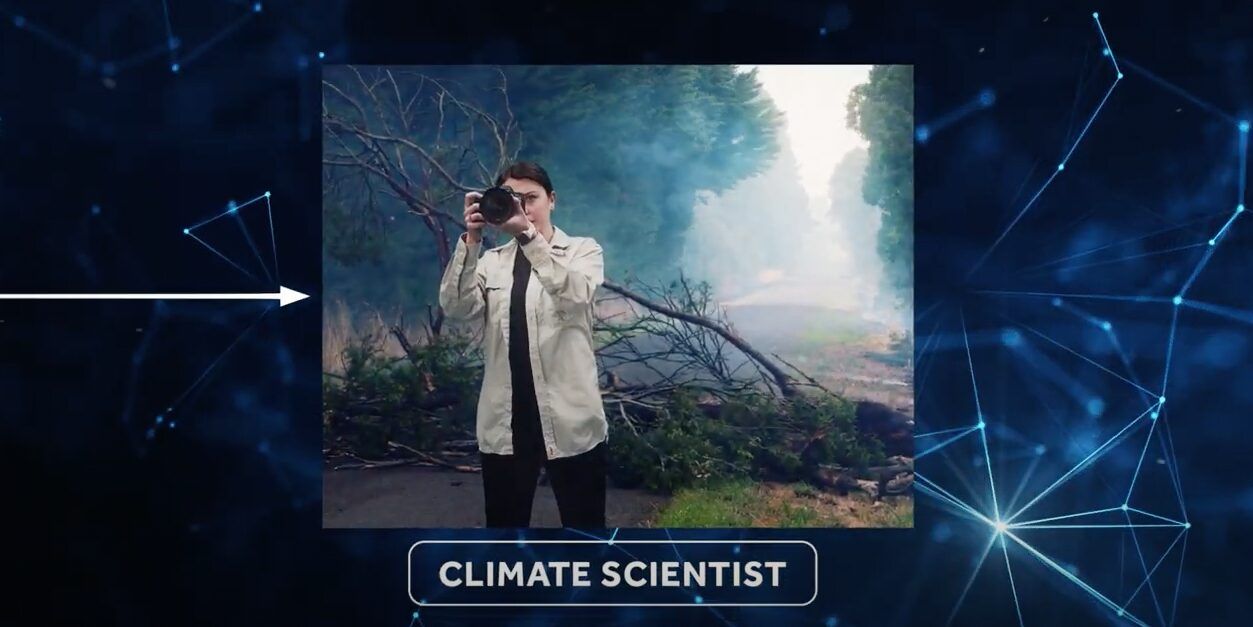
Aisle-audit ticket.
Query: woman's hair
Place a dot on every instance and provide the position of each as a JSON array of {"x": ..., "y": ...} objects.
[{"x": 526, "y": 170}]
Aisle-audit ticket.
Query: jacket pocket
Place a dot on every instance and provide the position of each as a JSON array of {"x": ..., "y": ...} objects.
[
  {"x": 496, "y": 291},
  {"x": 566, "y": 314}
]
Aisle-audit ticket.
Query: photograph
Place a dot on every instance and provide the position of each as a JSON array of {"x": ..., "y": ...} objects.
[{"x": 595, "y": 296}]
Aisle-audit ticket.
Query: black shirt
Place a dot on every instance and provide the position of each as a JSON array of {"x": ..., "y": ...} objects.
[{"x": 528, "y": 439}]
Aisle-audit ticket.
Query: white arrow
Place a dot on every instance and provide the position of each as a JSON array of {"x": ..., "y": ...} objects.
[{"x": 285, "y": 296}]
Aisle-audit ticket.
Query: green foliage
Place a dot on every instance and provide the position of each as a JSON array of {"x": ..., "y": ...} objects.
[
  {"x": 805, "y": 490},
  {"x": 882, "y": 111},
  {"x": 755, "y": 437},
  {"x": 837, "y": 440},
  {"x": 630, "y": 146},
  {"x": 379, "y": 398},
  {"x": 743, "y": 503},
  {"x": 728, "y": 504},
  {"x": 747, "y": 503},
  {"x": 683, "y": 448}
]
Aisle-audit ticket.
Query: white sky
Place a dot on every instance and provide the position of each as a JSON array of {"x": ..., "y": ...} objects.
[{"x": 812, "y": 99}]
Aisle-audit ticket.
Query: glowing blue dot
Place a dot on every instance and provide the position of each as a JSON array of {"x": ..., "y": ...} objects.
[
  {"x": 1057, "y": 302},
  {"x": 1211, "y": 242},
  {"x": 1105, "y": 52},
  {"x": 160, "y": 418},
  {"x": 1178, "y": 300},
  {"x": 1095, "y": 406},
  {"x": 700, "y": 599},
  {"x": 1187, "y": 525},
  {"x": 1161, "y": 399},
  {"x": 19, "y": 21},
  {"x": 736, "y": 549},
  {"x": 1124, "y": 507},
  {"x": 981, "y": 425},
  {"x": 1011, "y": 337},
  {"x": 171, "y": 424},
  {"x": 1240, "y": 208},
  {"x": 1061, "y": 166},
  {"x": 1040, "y": 449},
  {"x": 1120, "y": 76},
  {"x": 1244, "y": 126},
  {"x": 922, "y": 133},
  {"x": 1095, "y": 14},
  {"x": 1106, "y": 325},
  {"x": 822, "y": 31},
  {"x": 256, "y": 7},
  {"x": 267, "y": 194},
  {"x": 174, "y": 68},
  {"x": 987, "y": 97},
  {"x": 415, "y": 614},
  {"x": 831, "y": 621},
  {"x": 1153, "y": 416},
  {"x": 321, "y": 55},
  {"x": 186, "y": 231},
  {"x": 1121, "y": 611}
]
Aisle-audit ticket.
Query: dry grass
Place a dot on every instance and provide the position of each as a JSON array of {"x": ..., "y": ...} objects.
[{"x": 340, "y": 328}]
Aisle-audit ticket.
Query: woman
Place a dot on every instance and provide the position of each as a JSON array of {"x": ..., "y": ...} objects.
[{"x": 540, "y": 403}]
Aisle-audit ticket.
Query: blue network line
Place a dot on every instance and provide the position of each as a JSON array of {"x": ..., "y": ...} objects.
[
  {"x": 169, "y": 45},
  {"x": 1134, "y": 298},
  {"x": 1138, "y": 238},
  {"x": 1132, "y": 519},
  {"x": 1084, "y": 357},
  {"x": 982, "y": 100},
  {"x": 233, "y": 209},
  {"x": 166, "y": 419},
  {"x": 171, "y": 42},
  {"x": 1061, "y": 165}
]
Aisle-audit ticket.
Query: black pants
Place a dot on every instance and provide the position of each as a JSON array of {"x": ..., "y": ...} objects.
[{"x": 578, "y": 482}]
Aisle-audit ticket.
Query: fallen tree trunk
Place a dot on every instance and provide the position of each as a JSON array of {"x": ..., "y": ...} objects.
[
  {"x": 893, "y": 479},
  {"x": 781, "y": 379}
]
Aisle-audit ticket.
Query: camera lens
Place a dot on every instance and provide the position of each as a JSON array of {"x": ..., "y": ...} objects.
[{"x": 496, "y": 205}]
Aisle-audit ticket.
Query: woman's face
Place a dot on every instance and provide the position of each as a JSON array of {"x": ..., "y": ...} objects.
[{"x": 535, "y": 201}]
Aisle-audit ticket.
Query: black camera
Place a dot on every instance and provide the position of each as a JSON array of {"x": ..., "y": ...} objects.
[{"x": 496, "y": 204}]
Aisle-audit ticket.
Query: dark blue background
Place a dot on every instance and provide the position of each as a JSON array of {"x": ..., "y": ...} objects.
[{"x": 217, "y": 521}]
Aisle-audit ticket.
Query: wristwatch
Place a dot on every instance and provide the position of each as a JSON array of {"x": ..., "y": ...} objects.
[{"x": 526, "y": 236}]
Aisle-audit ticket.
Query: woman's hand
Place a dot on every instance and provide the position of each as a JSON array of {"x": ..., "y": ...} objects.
[
  {"x": 474, "y": 220},
  {"x": 517, "y": 223}
]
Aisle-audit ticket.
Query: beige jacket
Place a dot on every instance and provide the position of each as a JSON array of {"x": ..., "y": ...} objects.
[{"x": 564, "y": 276}]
